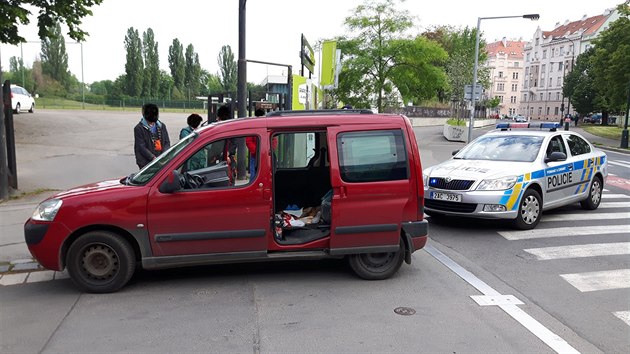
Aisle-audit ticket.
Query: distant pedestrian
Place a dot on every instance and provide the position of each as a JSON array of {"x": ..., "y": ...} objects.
[
  {"x": 224, "y": 113},
  {"x": 193, "y": 120},
  {"x": 150, "y": 136}
]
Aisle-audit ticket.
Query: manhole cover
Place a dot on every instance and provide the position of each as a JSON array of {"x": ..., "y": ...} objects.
[{"x": 405, "y": 311}]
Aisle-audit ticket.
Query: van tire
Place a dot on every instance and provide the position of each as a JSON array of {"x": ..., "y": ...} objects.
[
  {"x": 377, "y": 266},
  {"x": 529, "y": 210},
  {"x": 100, "y": 262}
]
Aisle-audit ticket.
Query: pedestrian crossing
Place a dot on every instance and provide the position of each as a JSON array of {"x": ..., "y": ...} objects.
[{"x": 612, "y": 218}]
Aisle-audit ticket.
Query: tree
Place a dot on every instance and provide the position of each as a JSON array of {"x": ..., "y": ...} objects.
[
  {"x": 579, "y": 84},
  {"x": 210, "y": 83},
  {"x": 177, "y": 63},
  {"x": 192, "y": 72},
  {"x": 227, "y": 69},
  {"x": 134, "y": 67},
  {"x": 166, "y": 85},
  {"x": 611, "y": 64},
  {"x": 14, "y": 12},
  {"x": 54, "y": 56},
  {"x": 151, "y": 64},
  {"x": 381, "y": 65}
]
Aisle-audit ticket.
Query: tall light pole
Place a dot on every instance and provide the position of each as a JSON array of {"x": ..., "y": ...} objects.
[
  {"x": 572, "y": 61},
  {"x": 624, "y": 132},
  {"x": 532, "y": 17}
]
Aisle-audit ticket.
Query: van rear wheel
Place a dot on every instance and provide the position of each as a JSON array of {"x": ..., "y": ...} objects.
[{"x": 377, "y": 266}]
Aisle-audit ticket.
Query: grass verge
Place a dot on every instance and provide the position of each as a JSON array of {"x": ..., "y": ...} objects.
[{"x": 609, "y": 132}]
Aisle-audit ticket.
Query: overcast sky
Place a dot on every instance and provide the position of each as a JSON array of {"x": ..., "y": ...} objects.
[{"x": 274, "y": 28}]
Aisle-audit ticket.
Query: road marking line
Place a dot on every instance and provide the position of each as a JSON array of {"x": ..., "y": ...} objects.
[
  {"x": 611, "y": 196},
  {"x": 624, "y": 316},
  {"x": 619, "y": 164},
  {"x": 565, "y": 231},
  {"x": 595, "y": 281},
  {"x": 580, "y": 251},
  {"x": 554, "y": 341},
  {"x": 12, "y": 279},
  {"x": 610, "y": 174},
  {"x": 614, "y": 205},
  {"x": 587, "y": 216}
]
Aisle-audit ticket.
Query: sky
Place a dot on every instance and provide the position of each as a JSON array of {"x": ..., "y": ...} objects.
[{"x": 273, "y": 28}]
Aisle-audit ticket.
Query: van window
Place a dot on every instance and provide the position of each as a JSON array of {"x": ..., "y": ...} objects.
[
  {"x": 372, "y": 156},
  {"x": 294, "y": 150},
  {"x": 213, "y": 166}
]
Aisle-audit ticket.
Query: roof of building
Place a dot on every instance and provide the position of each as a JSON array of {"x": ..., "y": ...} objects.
[
  {"x": 588, "y": 25},
  {"x": 514, "y": 49}
]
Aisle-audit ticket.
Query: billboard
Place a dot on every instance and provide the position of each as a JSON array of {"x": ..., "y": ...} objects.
[{"x": 329, "y": 64}]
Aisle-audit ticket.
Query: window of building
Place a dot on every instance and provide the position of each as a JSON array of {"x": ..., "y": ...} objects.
[
  {"x": 527, "y": 71},
  {"x": 500, "y": 87},
  {"x": 561, "y": 50},
  {"x": 559, "y": 81},
  {"x": 512, "y": 99},
  {"x": 543, "y": 69},
  {"x": 514, "y": 76},
  {"x": 514, "y": 87},
  {"x": 570, "y": 49},
  {"x": 550, "y": 67},
  {"x": 500, "y": 73},
  {"x": 553, "y": 52},
  {"x": 528, "y": 57},
  {"x": 560, "y": 66},
  {"x": 512, "y": 111},
  {"x": 516, "y": 64},
  {"x": 541, "y": 96},
  {"x": 535, "y": 83},
  {"x": 372, "y": 156},
  {"x": 537, "y": 41},
  {"x": 525, "y": 98},
  {"x": 500, "y": 99},
  {"x": 555, "y": 110},
  {"x": 544, "y": 54},
  {"x": 557, "y": 96},
  {"x": 550, "y": 83},
  {"x": 549, "y": 96},
  {"x": 548, "y": 108},
  {"x": 539, "y": 111}
]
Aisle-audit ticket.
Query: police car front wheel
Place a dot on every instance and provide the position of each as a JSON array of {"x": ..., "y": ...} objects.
[{"x": 529, "y": 211}]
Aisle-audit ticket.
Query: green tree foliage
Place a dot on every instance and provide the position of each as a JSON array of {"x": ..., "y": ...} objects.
[
  {"x": 210, "y": 83},
  {"x": 611, "y": 63},
  {"x": 177, "y": 63},
  {"x": 134, "y": 67},
  {"x": 20, "y": 74},
  {"x": 192, "y": 72},
  {"x": 151, "y": 64},
  {"x": 381, "y": 64},
  {"x": 227, "y": 69},
  {"x": 166, "y": 85},
  {"x": 15, "y": 12},
  {"x": 579, "y": 84},
  {"x": 54, "y": 57},
  {"x": 102, "y": 88}
]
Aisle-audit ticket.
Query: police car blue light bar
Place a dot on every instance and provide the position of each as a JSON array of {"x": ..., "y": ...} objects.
[{"x": 544, "y": 125}]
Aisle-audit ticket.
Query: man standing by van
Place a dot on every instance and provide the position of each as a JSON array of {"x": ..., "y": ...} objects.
[{"x": 150, "y": 136}]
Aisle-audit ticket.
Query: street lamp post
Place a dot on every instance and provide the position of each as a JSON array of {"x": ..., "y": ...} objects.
[
  {"x": 532, "y": 17},
  {"x": 572, "y": 63},
  {"x": 624, "y": 132}
]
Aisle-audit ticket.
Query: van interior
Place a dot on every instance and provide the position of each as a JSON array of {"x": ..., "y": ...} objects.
[{"x": 302, "y": 188}]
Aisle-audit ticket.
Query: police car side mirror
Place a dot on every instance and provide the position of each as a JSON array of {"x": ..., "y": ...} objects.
[
  {"x": 556, "y": 156},
  {"x": 454, "y": 152},
  {"x": 172, "y": 184}
]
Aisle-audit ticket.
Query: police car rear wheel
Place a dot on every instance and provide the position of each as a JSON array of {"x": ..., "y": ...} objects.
[
  {"x": 529, "y": 211},
  {"x": 594, "y": 195}
]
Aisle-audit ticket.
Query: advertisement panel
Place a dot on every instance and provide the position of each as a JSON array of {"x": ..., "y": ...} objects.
[{"x": 329, "y": 64}]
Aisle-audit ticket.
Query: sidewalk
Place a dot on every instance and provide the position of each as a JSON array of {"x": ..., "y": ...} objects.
[{"x": 602, "y": 143}]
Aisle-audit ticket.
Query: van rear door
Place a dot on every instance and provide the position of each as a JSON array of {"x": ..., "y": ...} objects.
[{"x": 370, "y": 176}]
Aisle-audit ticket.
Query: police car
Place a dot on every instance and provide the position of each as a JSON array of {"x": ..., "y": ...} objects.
[{"x": 516, "y": 172}]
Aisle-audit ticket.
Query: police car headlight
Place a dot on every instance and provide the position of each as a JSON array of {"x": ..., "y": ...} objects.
[
  {"x": 47, "y": 210},
  {"x": 497, "y": 184}
]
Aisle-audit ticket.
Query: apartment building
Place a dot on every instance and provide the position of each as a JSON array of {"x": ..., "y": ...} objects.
[
  {"x": 549, "y": 57},
  {"x": 505, "y": 61}
]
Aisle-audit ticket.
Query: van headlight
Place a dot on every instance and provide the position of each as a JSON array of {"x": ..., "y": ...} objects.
[
  {"x": 47, "y": 210},
  {"x": 497, "y": 184}
]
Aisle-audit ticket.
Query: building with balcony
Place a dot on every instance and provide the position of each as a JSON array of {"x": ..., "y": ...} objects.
[
  {"x": 505, "y": 61},
  {"x": 549, "y": 57}
]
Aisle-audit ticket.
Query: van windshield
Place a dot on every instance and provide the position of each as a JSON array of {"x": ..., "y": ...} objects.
[{"x": 156, "y": 165}]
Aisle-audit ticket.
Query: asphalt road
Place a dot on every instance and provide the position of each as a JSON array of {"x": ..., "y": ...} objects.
[{"x": 317, "y": 306}]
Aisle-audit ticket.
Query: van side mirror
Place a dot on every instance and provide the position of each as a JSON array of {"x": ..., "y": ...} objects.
[
  {"x": 556, "y": 156},
  {"x": 171, "y": 184}
]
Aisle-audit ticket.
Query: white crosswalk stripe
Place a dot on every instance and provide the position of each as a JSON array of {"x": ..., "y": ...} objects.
[
  {"x": 580, "y": 251},
  {"x": 615, "y": 196},
  {"x": 586, "y": 216},
  {"x": 565, "y": 231},
  {"x": 617, "y": 163},
  {"x": 615, "y": 205},
  {"x": 603, "y": 280}
]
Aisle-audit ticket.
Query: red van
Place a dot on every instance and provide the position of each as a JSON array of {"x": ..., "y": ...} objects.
[{"x": 322, "y": 184}]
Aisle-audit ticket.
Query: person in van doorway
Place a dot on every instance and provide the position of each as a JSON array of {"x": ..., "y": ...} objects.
[
  {"x": 150, "y": 136},
  {"x": 250, "y": 142},
  {"x": 193, "y": 120},
  {"x": 224, "y": 113}
]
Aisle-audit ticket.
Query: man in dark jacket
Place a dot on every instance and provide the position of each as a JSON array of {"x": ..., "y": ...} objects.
[{"x": 150, "y": 136}]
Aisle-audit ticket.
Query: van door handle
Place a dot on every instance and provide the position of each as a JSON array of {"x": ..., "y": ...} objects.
[{"x": 342, "y": 191}]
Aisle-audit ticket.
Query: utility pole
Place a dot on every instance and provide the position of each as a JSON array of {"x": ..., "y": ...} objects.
[
  {"x": 241, "y": 87},
  {"x": 624, "y": 132}
]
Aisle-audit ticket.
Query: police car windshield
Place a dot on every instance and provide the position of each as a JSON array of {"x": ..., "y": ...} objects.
[{"x": 520, "y": 148}]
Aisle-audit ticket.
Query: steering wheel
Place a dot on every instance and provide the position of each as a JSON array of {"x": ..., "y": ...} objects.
[{"x": 190, "y": 181}]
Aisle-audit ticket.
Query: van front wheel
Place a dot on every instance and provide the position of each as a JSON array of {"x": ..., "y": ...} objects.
[{"x": 377, "y": 266}]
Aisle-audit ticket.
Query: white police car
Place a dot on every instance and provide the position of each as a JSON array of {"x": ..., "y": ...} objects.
[{"x": 512, "y": 173}]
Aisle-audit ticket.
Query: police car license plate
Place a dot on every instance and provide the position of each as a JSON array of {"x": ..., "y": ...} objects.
[{"x": 449, "y": 197}]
